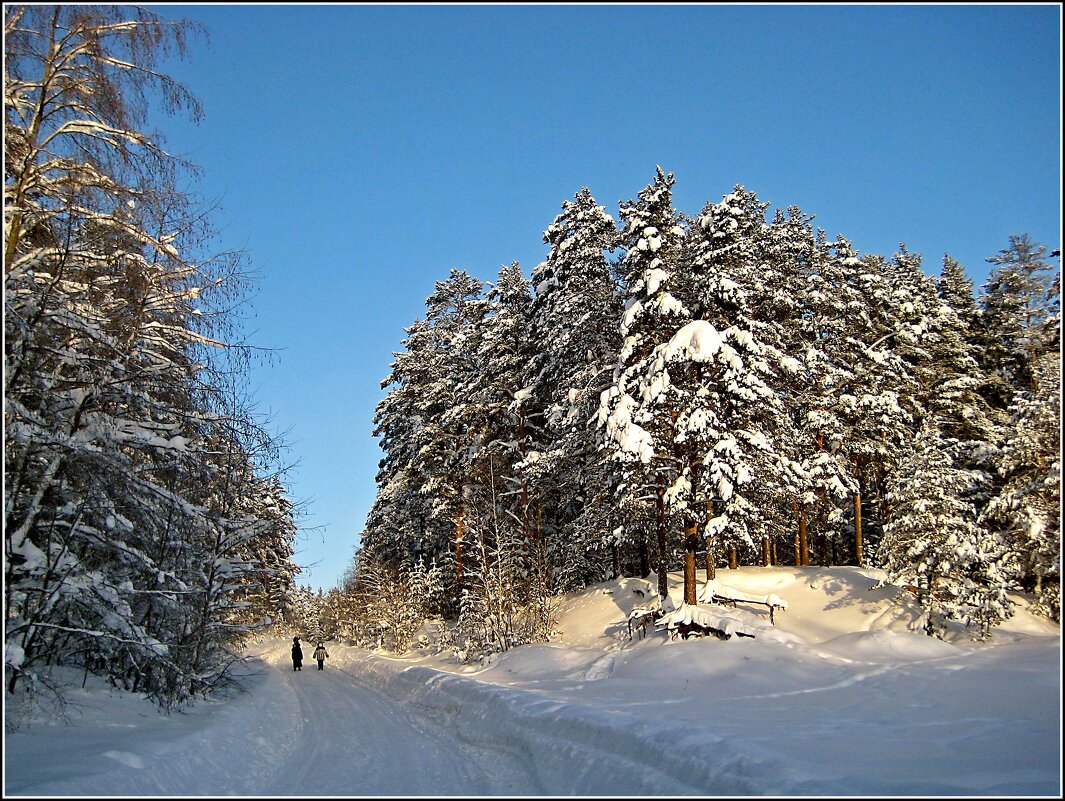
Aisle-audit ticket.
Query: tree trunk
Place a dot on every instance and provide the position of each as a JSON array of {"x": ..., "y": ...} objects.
[
  {"x": 858, "y": 544},
  {"x": 458, "y": 547},
  {"x": 822, "y": 535},
  {"x": 645, "y": 560},
  {"x": 804, "y": 542},
  {"x": 691, "y": 543},
  {"x": 733, "y": 561},
  {"x": 660, "y": 530},
  {"x": 526, "y": 527},
  {"x": 711, "y": 547},
  {"x": 796, "y": 545}
]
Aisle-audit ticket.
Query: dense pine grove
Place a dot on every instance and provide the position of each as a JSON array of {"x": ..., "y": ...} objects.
[
  {"x": 147, "y": 528},
  {"x": 671, "y": 393},
  {"x": 663, "y": 393}
]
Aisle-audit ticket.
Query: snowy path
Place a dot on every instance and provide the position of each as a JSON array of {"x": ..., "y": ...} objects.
[
  {"x": 368, "y": 726},
  {"x": 350, "y": 740},
  {"x": 305, "y": 733}
]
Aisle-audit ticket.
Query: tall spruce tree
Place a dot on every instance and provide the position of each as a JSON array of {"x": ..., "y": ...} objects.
[
  {"x": 719, "y": 370},
  {"x": 574, "y": 325},
  {"x": 1016, "y": 303},
  {"x": 638, "y": 436}
]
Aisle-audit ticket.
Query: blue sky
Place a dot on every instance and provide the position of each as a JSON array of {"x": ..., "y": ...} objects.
[{"x": 358, "y": 153}]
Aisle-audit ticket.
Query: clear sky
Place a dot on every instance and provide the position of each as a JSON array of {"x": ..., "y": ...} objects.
[{"x": 360, "y": 152}]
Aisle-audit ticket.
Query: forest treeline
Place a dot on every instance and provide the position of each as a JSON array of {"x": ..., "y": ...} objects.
[
  {"x": 668, "y": 392},
  {"x": 148, "y": 531},
  {"x": 663, "y": 393}
]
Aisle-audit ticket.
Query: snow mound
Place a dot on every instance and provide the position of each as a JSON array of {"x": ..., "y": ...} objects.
[
  {"x": 580, "y": 749},
  {"x": 887, "y": 646},
  {"x": 715, "y": 589}
]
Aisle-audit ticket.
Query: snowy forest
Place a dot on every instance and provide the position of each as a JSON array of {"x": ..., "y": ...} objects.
[
  {"x": 148, "y": 531},
  {"x": 673, "y": 393},
  {"x": 663, "y": 393}
]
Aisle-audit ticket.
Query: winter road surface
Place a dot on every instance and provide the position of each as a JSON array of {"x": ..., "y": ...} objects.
[
  {"x": 348, "y": 739},
  {"x": 367, "y": 726},
  {"x": 295, "y": 733},
  {"x": 370, "y": 726}
]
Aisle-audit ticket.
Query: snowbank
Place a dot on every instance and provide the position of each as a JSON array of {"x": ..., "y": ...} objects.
[
  {"x": 576, "y": 748},
  {"x": 841, "y": 697}
]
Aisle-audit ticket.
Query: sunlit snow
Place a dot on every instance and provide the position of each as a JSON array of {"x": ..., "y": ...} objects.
[{"x": 840, "y": 697}]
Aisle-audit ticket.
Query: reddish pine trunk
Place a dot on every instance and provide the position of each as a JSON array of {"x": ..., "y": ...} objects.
[
  {"x": 859, "y": 541},
  {"x": 859, "y": 556},
  {"x": 660, "y": 529},
  {"x": 458, "y": 547},
  {"x": 691, "y": 543},
  {"x": 711, "y": 547},
  {"x": 526, "y": 533}
]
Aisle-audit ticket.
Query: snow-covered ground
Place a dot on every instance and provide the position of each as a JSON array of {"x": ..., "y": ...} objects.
[{"x": 838, "y": 698}]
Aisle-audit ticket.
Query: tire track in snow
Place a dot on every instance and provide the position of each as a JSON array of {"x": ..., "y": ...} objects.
[{"x": 347, "y": 739}]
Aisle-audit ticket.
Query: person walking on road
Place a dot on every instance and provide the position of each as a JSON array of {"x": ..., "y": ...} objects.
[
  {"x": 321, "y": 655},
  {"x": 297, "y": 654}
]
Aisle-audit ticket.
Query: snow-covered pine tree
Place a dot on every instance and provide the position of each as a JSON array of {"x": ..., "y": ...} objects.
[
  {"x": 713, "y": 378},
  {"x": 748, "y": 276},
  {"x": 574, "y": 325},
  {"x": 956, "y": 290},
  {"x": 449, "y": 426},
  {"x": 264, "y": 591},
  {"x": 400, "y": 522},
  {"x": 824, "y": 466},
  {"x": 1027, "y": 510},
  {"x": 495, "y": 391},
  {"x": 872, "y": 387},
  {"x": 957, "y": 419},
  {"x": 429, "y": 427},
  {"x": 504, "y": 350},
  {"x": 977, "y": 425},
  {"x": 1016, "y": 303},
  {"x": 952, "y": 383},
  {"x": 933, "y": 543},
  {"x": 638, "y": 438},
  {"x": 1021, "y": 315},
  {"x": 274, "y": 553}
]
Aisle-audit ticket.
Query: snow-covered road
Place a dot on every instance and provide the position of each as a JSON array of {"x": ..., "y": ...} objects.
[
  {"x": 367, "y": 726},
  {"x": 348, "y": 739},
  {"x": 294, "y": 733}
]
